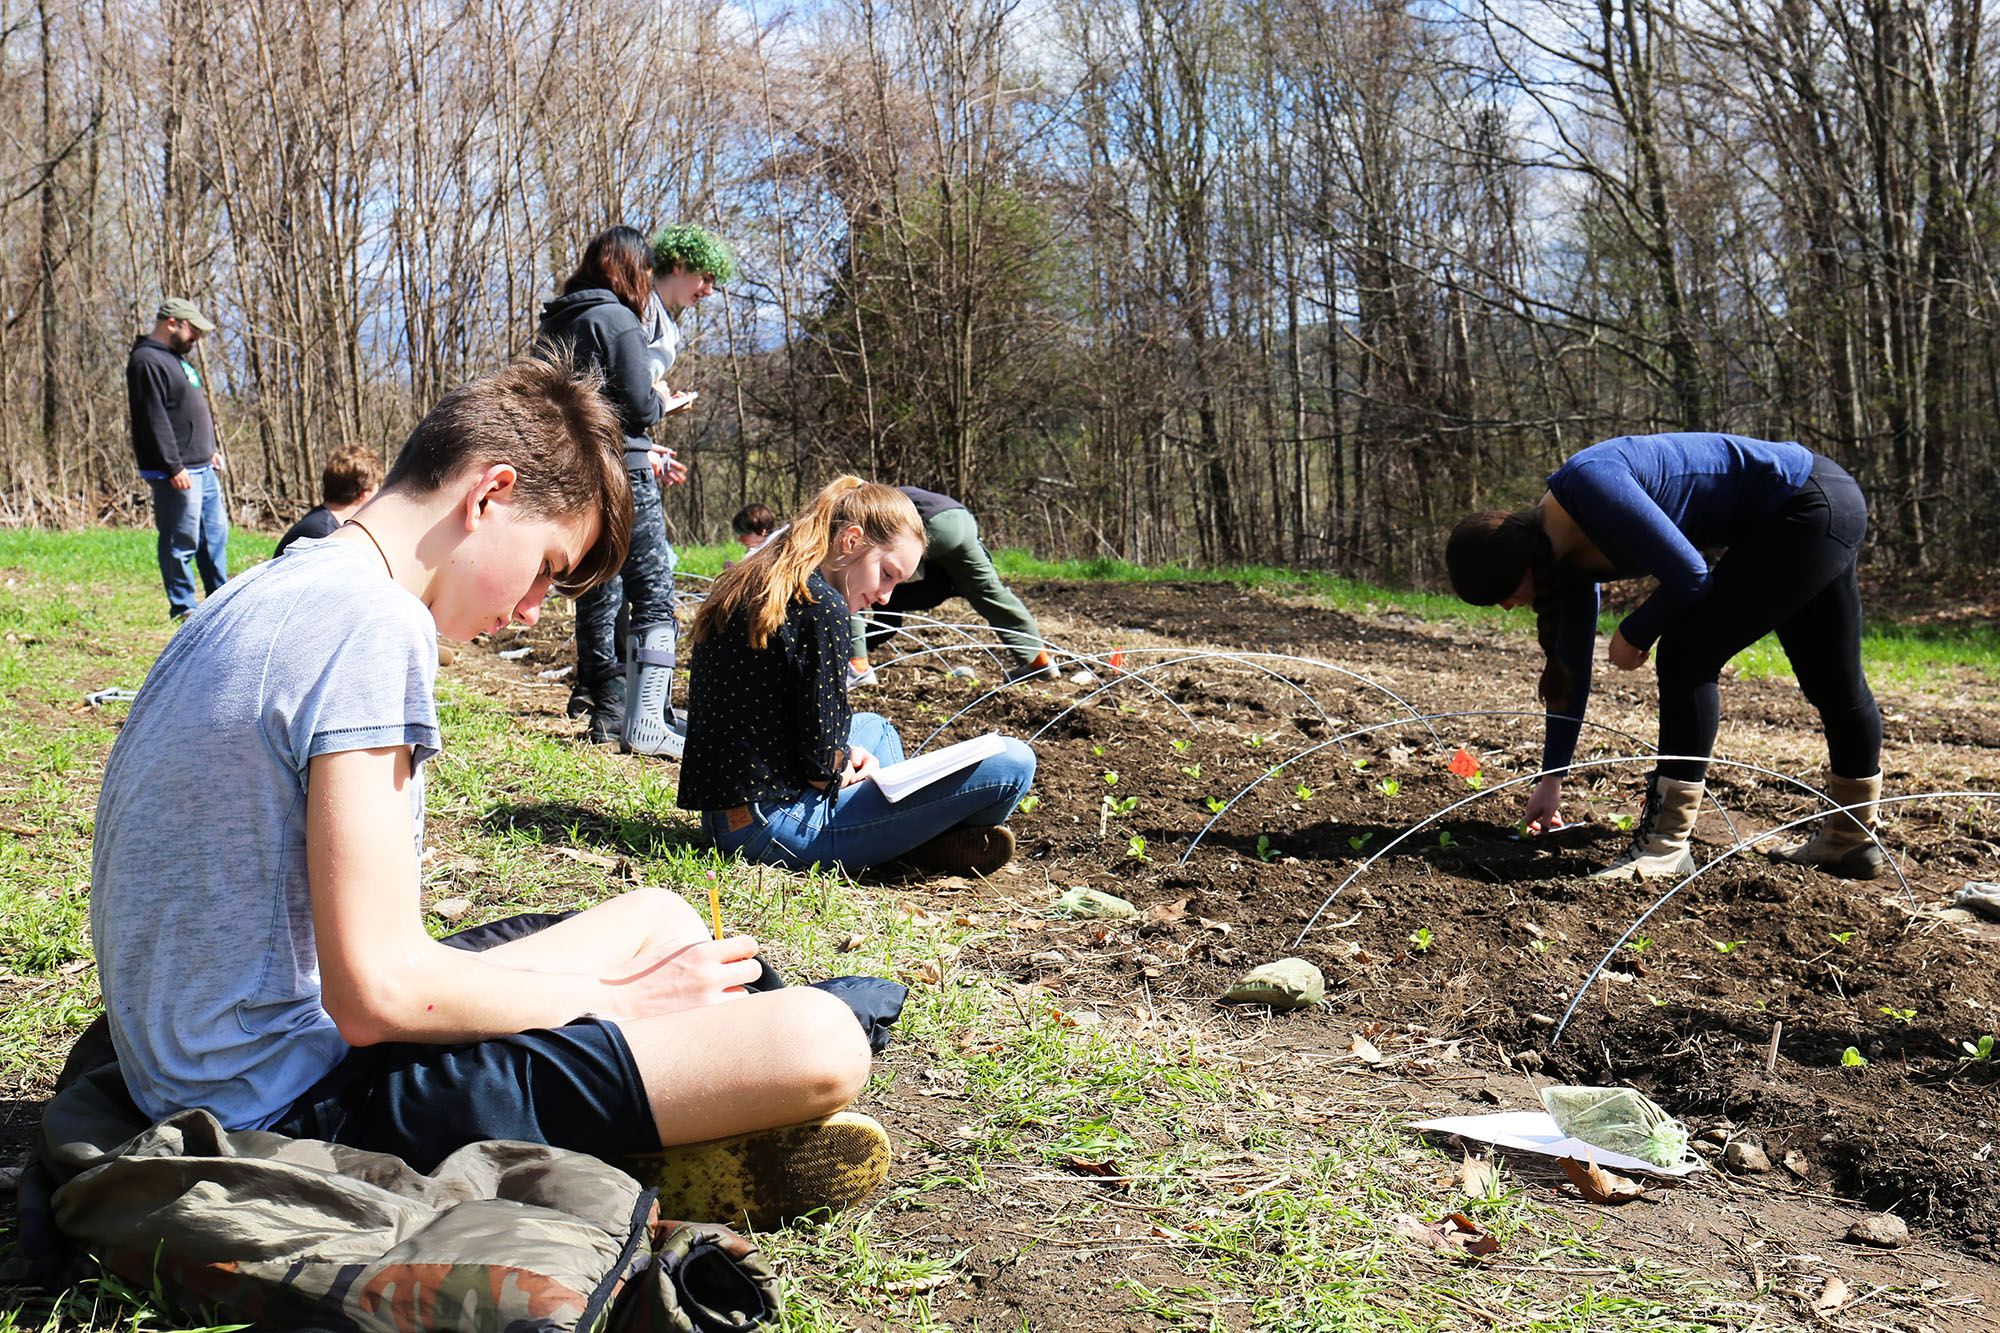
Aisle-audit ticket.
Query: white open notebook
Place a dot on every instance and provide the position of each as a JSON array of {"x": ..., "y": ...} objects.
[{"x": 899, "y": 780}]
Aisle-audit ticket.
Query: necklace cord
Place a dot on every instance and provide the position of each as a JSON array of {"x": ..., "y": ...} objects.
[{"x": 357, "y": 523}]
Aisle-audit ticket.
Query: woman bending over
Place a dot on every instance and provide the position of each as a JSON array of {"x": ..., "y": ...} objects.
[
  {"x": 1647, "y": 504},
  {"x": 776, "y": 761}
]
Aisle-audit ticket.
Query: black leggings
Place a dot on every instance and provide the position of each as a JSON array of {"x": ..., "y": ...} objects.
[{"x": 1795, "y": 575}]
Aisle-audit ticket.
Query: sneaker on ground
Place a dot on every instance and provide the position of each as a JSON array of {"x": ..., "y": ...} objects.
[
  {"x": 969, "y": 849},
  {"x": 771, "y": 1176},
  {"x": 1042, "y": 668},
  {"x": 859, "y": 672}
]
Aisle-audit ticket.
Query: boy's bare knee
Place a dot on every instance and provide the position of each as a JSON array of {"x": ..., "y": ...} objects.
[
  {"x": 832, "y": 1057},
  {"x": 665, "y": 911}
]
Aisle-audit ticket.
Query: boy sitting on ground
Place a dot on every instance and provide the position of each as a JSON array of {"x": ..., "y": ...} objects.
[
  {"x": 262, "y": 949},
  {"x": 350, "y": 479},
  {"x": 752, "y": 525}
]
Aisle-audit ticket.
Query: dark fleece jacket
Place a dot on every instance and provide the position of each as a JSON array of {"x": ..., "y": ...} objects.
[{"x": 602, "y": 334}]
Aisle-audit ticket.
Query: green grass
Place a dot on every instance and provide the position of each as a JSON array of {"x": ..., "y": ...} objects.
[{"x": 1239, "y": 1211}]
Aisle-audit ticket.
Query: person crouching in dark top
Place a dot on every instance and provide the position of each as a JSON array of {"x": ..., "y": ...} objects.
[
  {"x": 777, "y": 762},
  {"x": 352, "y": 475}
]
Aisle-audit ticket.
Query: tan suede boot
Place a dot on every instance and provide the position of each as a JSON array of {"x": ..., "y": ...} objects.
[
  {"x": 1845, "y": 845},
  {"x": 1660, "y": 842}
]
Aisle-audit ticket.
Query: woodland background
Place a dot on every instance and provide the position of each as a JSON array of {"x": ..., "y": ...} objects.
[{"x": 1280, "y": 280}]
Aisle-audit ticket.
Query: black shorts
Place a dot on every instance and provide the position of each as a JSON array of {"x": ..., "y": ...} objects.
[{"x": 576, "y": 1086}]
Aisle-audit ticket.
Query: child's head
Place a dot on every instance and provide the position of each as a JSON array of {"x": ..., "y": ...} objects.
[
  {"x": 353, "y": 472},
  {"x": 617, "y": 261},
  {"x": 561, "y": 439},
  {"x": 863, "y": 537},
  {"x": 752, "y": 524}
]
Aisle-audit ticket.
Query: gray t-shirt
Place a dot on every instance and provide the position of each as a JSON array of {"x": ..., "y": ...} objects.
[{"x": 199, "y": 910}]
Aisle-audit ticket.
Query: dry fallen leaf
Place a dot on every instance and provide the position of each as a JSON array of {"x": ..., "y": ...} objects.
[
  {"x": 916, "y": 915},
  {"x": 1454, "y": 1234},
  {"x": 1478, "y": 1178},
  {"x": 1364, "y": 1050},
  {"x": 1167, "y": 914},
  {"x": 1108, "y": 1172},
  {"x": 1596, "y": 1184},
  {"x": 852, "y": 942},
  {"x": 1222, "y": 927},
  {"x": 588, "y": 858},
  {"x": 1796, "y": 1163},
  {"x": 1832, "y": 1297}
]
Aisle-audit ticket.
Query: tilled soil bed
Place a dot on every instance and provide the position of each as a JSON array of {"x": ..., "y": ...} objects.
[{"x": 1466, "y": 932}]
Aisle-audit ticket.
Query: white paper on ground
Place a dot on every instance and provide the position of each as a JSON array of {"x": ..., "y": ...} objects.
[
  {"x": 899, "y": 780},
  {"x": 1536, "y": 1132}
]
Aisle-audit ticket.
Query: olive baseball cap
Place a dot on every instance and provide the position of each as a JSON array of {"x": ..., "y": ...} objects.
[{"x": 175, "y": 307}]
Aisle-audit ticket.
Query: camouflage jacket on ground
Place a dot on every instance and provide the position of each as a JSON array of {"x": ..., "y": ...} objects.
[{"x": 255, "y": 1227}]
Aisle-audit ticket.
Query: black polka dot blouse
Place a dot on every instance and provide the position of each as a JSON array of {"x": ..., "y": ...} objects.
[{"x": 767, "y": 724}]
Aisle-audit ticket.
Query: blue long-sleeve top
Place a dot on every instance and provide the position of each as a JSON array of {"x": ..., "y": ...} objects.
[{"x": 1649, "y": 503}]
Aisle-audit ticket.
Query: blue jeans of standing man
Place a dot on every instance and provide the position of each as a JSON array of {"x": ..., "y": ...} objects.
[
  {"x": 857, "y": 827},
  {"x": 646, "y": 580},
  {"x": 194, "y": 533}
]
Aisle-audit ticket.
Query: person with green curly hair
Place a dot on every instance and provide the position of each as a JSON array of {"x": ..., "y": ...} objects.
[
  {"x": 694, "y": 249},
  {"x": 687, "y": 262}
]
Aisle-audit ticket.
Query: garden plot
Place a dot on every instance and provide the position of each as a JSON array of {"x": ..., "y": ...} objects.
[{"x": 1227, "y": 796}]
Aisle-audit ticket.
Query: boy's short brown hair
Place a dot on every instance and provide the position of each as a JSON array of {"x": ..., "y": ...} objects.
[
  {"x": 552, "y": 423},
  {"x": 351, "y": 472},
  {"x": 753, "y": 520}
]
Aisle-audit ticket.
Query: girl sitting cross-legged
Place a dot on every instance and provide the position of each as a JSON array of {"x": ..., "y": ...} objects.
[{"x": 777, "y": 762}]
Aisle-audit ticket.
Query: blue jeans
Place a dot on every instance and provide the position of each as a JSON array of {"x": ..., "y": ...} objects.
[
  {"x": 858, "y": 828},
  {"x": 194, "y": 531},
  {"x": 646, "y": 579}
]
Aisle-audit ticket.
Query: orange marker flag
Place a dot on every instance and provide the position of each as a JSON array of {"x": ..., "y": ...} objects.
[{"x": 1463, "y": 764}]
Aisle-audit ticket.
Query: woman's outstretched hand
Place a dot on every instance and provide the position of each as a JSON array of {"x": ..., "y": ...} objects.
[{"x": 1544, "y": 814}]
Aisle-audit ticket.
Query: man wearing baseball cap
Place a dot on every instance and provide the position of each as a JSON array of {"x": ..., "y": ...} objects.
[{"x": 173, "y": 438}]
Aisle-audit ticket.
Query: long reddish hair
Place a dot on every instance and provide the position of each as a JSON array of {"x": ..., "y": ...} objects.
[
  {"x": 766, "y": 582},
  {"x": 619, "y": 261}
]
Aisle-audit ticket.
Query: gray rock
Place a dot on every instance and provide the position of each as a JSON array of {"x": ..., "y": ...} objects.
[
  {"x": 1883, "y": 1230},
  {"x": 1745, "y": 1156},
  {"x": 1095, "y": 904},
  {"x": 1289, "y": 983}
]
